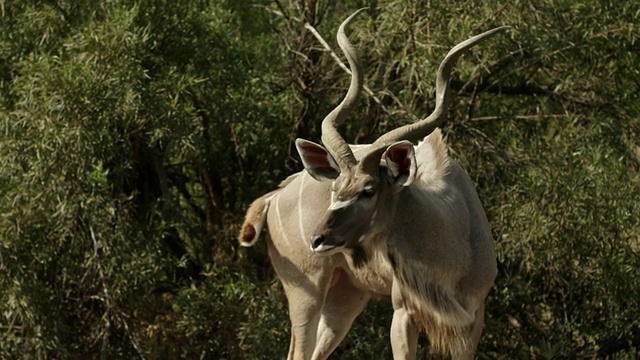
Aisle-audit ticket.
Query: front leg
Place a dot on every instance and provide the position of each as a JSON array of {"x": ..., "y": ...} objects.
[
  {"x": 305, "y": 309},
  {"x": 404, "y": 332},
  {"x": 306, "y": 289},
  {"x": 344, "y": 302}
]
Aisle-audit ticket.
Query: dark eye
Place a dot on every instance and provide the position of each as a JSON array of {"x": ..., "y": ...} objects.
[{"x": 368, "y": 192}]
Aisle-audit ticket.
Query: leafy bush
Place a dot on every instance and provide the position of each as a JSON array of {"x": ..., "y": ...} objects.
[{"x": 133, "y": 136}]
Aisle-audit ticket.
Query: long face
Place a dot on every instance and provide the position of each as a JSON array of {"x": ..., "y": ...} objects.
[
  {"x": 352, "y": 215},
  {"x": 356, "y": 195},
  {"x": 361, "y": 197}
]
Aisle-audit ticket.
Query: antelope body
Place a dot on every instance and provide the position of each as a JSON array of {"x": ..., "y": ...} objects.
[{"x": 386, "y": 219}]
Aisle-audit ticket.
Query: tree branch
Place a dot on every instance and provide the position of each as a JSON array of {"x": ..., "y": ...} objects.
[
  {"x": 342, "y": 64},
  {"x": 519, "y": 117},
  {"x": 104, "y": 354}
]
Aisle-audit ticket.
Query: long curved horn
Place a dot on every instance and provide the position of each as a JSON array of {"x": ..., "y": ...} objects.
[
  {"x": 335, "y": 144},
  {"x": 417, "y": 131}
]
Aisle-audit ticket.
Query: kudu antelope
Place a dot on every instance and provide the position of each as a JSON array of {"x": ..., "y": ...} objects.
[{"x": 385, "y": 219}]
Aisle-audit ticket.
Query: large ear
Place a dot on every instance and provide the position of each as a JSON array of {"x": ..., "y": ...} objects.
[
  {"x": 401, "y": 163},
  {"x": 317, "y": 160}
]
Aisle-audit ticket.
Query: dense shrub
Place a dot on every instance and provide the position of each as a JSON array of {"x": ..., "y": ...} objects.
[{"x": 134, "y": 134}]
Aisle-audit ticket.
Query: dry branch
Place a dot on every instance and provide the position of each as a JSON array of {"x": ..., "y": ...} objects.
[{"x": 342, "y": 64}]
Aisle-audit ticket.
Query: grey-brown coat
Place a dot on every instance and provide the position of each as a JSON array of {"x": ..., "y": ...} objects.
[{"x": 386, "y": 219}]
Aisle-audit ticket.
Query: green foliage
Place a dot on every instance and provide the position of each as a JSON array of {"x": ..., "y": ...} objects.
[
  {"x": 224, "y": 316},
  {"x": 134, "y": 134}
]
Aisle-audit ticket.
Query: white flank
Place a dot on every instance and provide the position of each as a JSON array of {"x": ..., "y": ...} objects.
[
  {"x": 300, "y": 220},
  {"x": 280, "y": 225}
]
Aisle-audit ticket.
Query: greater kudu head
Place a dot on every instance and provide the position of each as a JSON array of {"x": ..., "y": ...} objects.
[{"x": 363, "y": 192}]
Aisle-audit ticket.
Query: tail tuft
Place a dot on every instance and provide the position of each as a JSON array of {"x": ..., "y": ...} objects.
[
  {"x": 254, "y": 220},
  {"x": 248, "y": 235}
]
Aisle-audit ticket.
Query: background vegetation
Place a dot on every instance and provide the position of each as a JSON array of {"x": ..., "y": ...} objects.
[{"x": 134, "y": 134}]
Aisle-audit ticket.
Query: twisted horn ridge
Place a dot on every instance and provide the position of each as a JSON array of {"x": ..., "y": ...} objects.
[
  {"x": 417, "y": 131},
  {"x": 332, "y": 140}
]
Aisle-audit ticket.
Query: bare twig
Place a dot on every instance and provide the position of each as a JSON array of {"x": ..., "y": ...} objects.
[
  {"x": 283, "y": 12},
  {"x": 106, "y": 298},
  {"x": 236, "y": 145},
  {"x": 342, "y": 64},
  {"x": 133, "y": 342},
  {"x": 500, "y": 63},
  {"x": 11, "y": 327},
  {"x": 108, "y": 302},
  {"x": 519, "y": 117}
]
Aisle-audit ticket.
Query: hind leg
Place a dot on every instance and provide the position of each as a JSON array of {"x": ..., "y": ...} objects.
[{"x": 343, "y": 304}]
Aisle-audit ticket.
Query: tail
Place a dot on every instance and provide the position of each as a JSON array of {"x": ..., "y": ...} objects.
[
  {"x": 257, "y": 214},
  {"x": 254, "y": 220}
]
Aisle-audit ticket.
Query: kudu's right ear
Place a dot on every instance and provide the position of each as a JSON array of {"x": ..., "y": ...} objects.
[
  {"x": 401, "y": 163},
  {"x": 317, "y": 160}
]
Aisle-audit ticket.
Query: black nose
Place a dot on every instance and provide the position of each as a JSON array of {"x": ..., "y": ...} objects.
[{"x": 317, "y": 241}]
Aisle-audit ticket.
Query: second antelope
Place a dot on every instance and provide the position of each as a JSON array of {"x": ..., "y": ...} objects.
[{"x": 385, "y": 219}]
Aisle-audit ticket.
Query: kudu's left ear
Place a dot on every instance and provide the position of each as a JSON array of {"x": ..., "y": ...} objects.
[
  {"x": 317, "y": 160},
  {"x": 401, "y": 163}
]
